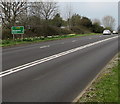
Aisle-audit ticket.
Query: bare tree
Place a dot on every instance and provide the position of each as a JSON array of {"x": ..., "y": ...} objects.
[
  {"x": 35, "y": 9},
  {"x": 69, "y": 13},
  {"x": 43, "y": 10},
  {"x": 34, "y": 14},
  {"x": 49, "y": 10},
  {"x": 108, "y": 22},
  {"x": 11, "y": 11}
]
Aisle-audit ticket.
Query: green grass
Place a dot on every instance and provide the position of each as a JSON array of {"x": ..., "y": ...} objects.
[
  {"x": 105, "y": 89},
  {"x": 10, "y": 42},
  {"x": 119, "y": 80}
]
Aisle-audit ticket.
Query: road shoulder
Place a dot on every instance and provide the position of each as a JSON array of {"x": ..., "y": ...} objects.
[{"x": 104, "y": 87}]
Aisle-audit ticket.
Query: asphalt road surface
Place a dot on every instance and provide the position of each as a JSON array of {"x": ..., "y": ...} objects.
[{"x": 61, "y": 78}]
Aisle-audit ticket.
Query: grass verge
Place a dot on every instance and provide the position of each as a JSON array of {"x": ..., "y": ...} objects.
[
  {"x": 106, "y": 87},
  {"x": 10, "y": 42}
]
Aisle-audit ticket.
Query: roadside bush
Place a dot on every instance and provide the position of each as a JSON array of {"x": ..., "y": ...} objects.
[
  {"x": 65, "y": 31},
  {"x": 6, "y": 33},
  {"x": 96, "y": 28},
  {"x": 34, "y": 31},
  {"x": 77, "y": 30},
  {"x": 50, "y": 30},
  {"x": 45, "y": 30}
]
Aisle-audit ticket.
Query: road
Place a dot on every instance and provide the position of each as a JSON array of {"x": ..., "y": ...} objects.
[{"x": 61, "y": 78}]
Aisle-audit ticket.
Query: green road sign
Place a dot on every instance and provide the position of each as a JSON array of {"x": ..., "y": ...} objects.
[{"x": 17, "y": 29}]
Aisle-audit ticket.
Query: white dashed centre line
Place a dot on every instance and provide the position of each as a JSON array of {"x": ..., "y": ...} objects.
[
  {"x": 74, "y": 40},
  {"x": 45, "y": 46},
  {"x": 62, "y": 43}
]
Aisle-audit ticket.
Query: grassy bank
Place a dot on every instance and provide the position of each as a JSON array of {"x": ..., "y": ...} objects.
[
  {"x": 10, "y": 42},
  {"x": 105, "y": 88}
]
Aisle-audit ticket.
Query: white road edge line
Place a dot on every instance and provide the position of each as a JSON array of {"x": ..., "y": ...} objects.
[{"x": 19, "y": 68}]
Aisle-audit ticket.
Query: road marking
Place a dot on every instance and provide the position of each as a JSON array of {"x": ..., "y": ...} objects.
[
  {"x": 25, "y": 66},
  {"x": 62, "y": 43},
  {"x": 100, "y": 36},
  {"x": 45, "y": 46},
  {"x": 90, "y": 38},
  {"x": 74, "y": 40}
]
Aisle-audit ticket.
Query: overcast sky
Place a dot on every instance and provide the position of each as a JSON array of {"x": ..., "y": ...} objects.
[
  {"x": 91, "y": 9},
  {"x": 81, "y": 0}
]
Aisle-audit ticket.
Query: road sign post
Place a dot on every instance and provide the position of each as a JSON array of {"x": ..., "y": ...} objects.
[
  {"x": 13, "y": 37},
  {"x": 17, "y": 30}
]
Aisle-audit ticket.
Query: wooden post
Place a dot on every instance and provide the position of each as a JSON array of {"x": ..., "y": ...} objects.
[
  {"x": 21, "y": 36},
  {"x": 13, "y": 37}
]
